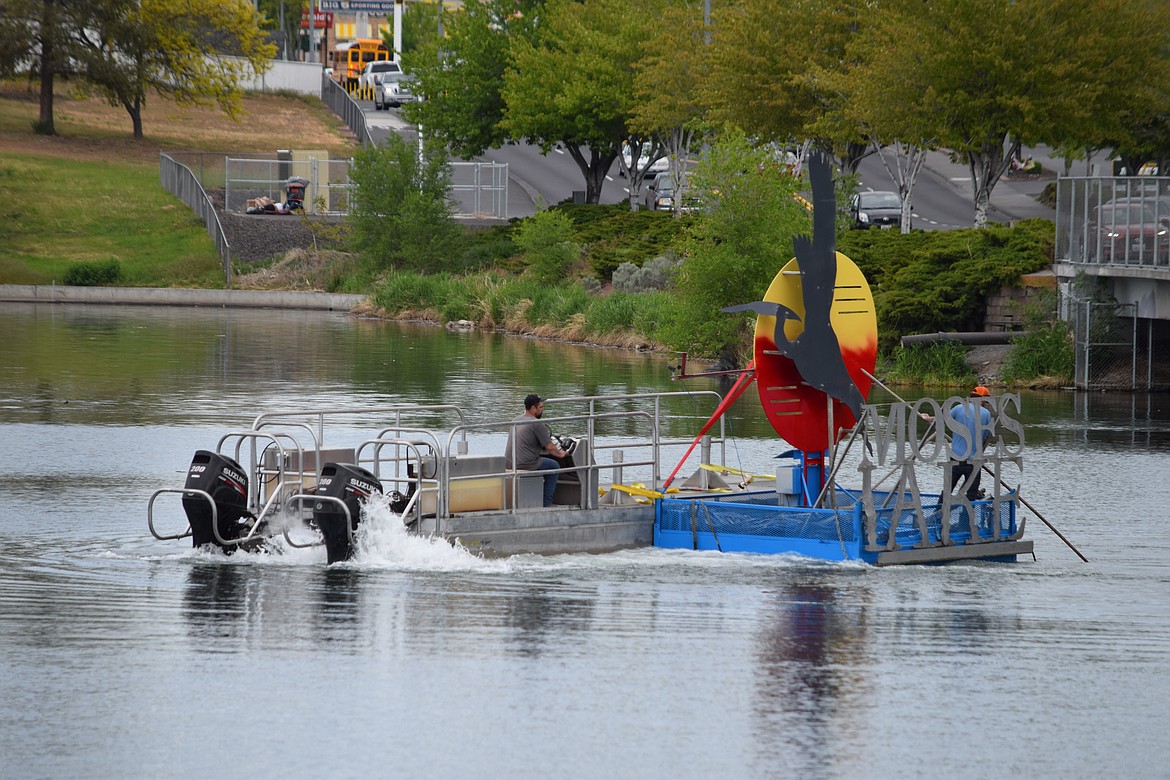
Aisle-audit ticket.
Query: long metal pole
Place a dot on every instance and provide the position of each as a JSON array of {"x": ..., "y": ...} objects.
[{"x": 1023, "y": 501}]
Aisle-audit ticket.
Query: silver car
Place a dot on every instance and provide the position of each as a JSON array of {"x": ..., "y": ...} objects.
[{"x": 392, "y": 90}]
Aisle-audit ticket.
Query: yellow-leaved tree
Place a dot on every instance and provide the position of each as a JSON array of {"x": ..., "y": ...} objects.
[{"x": 194, "y": 52}]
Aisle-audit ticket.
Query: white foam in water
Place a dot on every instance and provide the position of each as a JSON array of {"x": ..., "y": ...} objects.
[{"x": 383, "y": 541}]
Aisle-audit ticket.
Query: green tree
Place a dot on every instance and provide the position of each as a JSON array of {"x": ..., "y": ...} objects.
[
  {"x": 765, "y": 67},
  {"x": 572, "y": 85},
  {"x": 37, "y": 34},
  {"x": 400, "y": 214},
  {"x": 547, "y": 240},
  {"x": 669, "y": 105},
  {"x": 988, "y": 76},
  {"x": 459, "y": 76},
  {"x": 737, "y": 245},
  {"x": 193, "y": 52}
]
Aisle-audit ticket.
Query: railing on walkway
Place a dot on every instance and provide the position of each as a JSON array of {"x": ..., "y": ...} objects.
[
  {"x": 180, "y": 181},
  {"x": 341, "y": 103},
  {"x": 1120, "y": 221}
]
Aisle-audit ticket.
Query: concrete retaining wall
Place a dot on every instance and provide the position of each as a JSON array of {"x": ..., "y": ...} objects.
[{"x": 165, "y": 296}]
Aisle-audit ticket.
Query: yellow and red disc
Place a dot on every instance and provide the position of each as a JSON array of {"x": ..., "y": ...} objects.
[{"x": 798, "y": 412}]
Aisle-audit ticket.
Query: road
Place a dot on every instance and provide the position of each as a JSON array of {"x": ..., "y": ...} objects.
[{"x": 942, "y": 196}]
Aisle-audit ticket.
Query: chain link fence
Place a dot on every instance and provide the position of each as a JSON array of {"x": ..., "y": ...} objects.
[
  {"x": 477, "y": 190},
  {"x": 1115, "y": 348}
]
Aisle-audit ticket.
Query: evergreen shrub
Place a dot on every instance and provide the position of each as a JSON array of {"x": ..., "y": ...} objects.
[{"x": 103, "y": 273}]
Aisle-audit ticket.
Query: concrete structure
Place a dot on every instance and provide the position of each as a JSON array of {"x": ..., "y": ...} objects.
[{"x": 170, "y": 296}]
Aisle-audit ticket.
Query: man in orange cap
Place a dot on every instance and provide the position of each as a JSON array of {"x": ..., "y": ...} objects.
[
  {"x": 973, "y": 422},
  {"x": 963, "y": 447}
]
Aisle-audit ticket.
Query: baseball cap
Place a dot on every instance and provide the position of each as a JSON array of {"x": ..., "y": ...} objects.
[
  {"x": 980, "y": 391},
  {"x": 531, "y": 400}
]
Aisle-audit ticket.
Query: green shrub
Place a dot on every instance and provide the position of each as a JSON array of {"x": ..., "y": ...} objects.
[
  {"x": 108, "y": 272},
  {"x": 612, "y": 234},
  {"x": 925, "y": 282},
  {"x": 546, "y": 240},
  {"x": 1045, "y": 353},
  {"x": 942, "y": 363},
  {"x": 656, "y": 274},
  {"x": 1046, "y": 350}
]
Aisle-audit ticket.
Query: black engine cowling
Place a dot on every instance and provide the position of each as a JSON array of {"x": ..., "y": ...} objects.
[
  {"x": 353, "y": 486},
  {"x": 221, "y": 478}
]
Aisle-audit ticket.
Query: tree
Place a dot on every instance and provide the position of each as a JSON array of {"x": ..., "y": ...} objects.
[
  {"x": 36, "y": 34},
  {"x": 194, "y": 52},
  {"x": 572, "y": 85},
  {"x": 737, "y": 245},
  {"x": 765, "y": 68},
  {"x": 420, "y": 25},
  {"x": 669, "y": 104},
  {"x": 400, "y": 213},
  {"x": 983, "y": 78},
  {"x": 459, "y": 77}
]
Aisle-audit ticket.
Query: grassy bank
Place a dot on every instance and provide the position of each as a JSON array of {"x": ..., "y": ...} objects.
[{"x": 91, "y": 193}]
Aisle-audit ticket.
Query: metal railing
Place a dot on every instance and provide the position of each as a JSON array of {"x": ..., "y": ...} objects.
[
  {"x": 180, "y": 181},
  {"x": 1114, "y": 221},
  {"x": 342, "y": 103}
]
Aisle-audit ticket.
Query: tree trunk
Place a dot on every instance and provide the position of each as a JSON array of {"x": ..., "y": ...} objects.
[
  {"x": 48, "y": 24},
  {"x": 134, "y": 109},
  {"x": 594, "y": 169},
  {"x": 987, "y": 164},
  {"x": 852, "y": 156},
  {"x": 908, "y": 161}
]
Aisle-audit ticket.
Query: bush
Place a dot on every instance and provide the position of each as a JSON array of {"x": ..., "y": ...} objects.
[
  {"x": 1046, "y": 352},
  {"x": 400, "y": 214},
  {"x": 108, "y": 272},
  {"x": 546, "y": 240},
  {"x": 657, "y": 274},
  {"x": 942, "y": 363},
  {"x": 926, "y": 282}
]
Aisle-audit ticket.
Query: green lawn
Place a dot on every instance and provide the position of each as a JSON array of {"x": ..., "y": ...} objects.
[{"x": 61, "y": 212}]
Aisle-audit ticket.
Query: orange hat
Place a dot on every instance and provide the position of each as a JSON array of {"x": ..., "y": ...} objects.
[{"x": 980, "y": 391}]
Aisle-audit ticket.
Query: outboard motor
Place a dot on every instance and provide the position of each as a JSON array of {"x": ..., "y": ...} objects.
[
  {"x": 353, "y": 486},
  {"x": 222, "y": 478}
]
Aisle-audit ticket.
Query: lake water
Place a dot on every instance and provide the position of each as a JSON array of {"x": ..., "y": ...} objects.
[{"x": 128, "y": 657}]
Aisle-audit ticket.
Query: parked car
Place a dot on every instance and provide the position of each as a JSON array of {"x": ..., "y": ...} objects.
[
  {"x": 659, "y": 166},
  {"x": 660, "y": 195},
  {"x": 878, "y": 208},
  {"x": 392, "y": 90},
  {"x": 366, "y": 79},
  {"x": 1130, "y": 232}
]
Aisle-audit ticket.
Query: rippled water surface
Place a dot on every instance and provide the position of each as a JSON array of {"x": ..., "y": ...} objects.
[{"x": 129, "y": 657}]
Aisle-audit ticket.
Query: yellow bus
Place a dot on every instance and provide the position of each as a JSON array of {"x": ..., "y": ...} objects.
[{"x": 347, "y": 59}]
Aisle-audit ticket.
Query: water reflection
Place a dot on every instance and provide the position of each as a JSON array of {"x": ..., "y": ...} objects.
[
  {"x": 544, "y": 613},
  {"x": 215, "y": 604},
  {"x": 812, "y": 679}
]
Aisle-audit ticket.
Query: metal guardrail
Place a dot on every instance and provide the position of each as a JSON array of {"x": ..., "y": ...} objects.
[
  {"x": 341, "y": 103},
  {"x": 180, "y": 181},
  {"x": 1117, "y": 221}
]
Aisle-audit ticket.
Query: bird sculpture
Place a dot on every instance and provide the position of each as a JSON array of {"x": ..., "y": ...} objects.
[{"x": 816, "y": 352}]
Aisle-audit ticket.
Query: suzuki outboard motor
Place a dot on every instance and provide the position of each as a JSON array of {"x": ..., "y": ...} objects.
[
  {"x": 222, "y": 478},
  {"x": 353, "y": 486}
]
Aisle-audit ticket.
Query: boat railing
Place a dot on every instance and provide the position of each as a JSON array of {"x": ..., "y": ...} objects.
[
  {"x": 254, "y": 531},
  {"x": 593, "y": 403},
  {"x": 275, "y": 473},
  {"x": 589, "y": 470},
  {"x": 318, "y": 417},
  {"x": 421, "y": 486}
]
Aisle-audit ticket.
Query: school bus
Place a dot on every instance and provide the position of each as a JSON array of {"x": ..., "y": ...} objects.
[{"x": 347, "y": 59}]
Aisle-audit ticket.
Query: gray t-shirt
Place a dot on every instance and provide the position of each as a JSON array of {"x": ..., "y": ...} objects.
[{"x": 532, "y": 436}]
